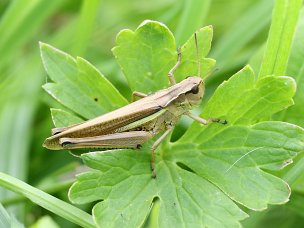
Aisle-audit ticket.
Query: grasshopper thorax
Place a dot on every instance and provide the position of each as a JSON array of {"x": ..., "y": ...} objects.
[{"x": 195, "y": 94}]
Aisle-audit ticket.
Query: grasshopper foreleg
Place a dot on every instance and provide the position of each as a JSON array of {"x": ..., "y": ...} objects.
[
  {"x": 154, "y": 147},
  {"x": 171, "y": 72},
  {"x": 205, "y": 122},
  {"x": 138, "y": 94}
]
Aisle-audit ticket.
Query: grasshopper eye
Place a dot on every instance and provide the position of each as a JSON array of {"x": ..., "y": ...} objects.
[{"x": 195, "y": 90}]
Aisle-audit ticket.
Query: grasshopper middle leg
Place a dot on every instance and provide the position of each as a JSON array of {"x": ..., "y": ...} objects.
[
  {"x": 153, "y": 148},
  {"x": 205, "y": 122}
]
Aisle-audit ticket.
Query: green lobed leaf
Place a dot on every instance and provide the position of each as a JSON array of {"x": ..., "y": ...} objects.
[
  {"x": 141, "y": 53},
  {"x": 201, "y": 175},
  {"x": 244, "y": 100},
  {"x": 147, "y": 55},
  {"x": 234, "y": 160},
  {"x": 125, "y": 182},
  {"x": 189, "y": 58},
  {"x": 78, "y": 85}
]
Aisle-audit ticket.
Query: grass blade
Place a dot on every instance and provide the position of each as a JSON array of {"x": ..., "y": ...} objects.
[
  {"x": 244, "y": 30},
  {"x": 284, "y": 20},
  {"x": 4, "y": 217},
  {"x": 47, "y": 201},
  {"x": 85, "y": 23},
  {"x": 192, "y": 18},
  {"x": 19, "y": 23}
]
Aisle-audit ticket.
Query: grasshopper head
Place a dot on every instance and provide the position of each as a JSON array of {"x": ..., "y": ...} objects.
[{"x": 196, "y": 93}]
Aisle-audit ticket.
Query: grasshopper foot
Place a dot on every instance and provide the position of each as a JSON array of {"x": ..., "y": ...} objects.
[
  {"x": 223, "y": 122},
  {"x": 216, "y": 120},
  {"x": 153, "y": 175},
  {"x": 152, "y": 165}
]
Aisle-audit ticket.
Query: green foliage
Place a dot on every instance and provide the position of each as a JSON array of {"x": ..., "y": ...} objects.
[
  {"x": 77, "y": 76},
  {"x": 211, "y": 170},
  {"x": 141, "y": 53},
  {"x": 200, "y": 175}
]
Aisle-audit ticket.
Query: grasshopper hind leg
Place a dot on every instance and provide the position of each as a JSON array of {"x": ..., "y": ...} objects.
[{"x": 124, "y": 140}]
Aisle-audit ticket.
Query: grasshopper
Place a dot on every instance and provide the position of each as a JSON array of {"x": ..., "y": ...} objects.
[{"x": 139, "y": 121}]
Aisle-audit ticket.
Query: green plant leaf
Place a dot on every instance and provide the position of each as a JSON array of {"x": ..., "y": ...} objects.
[
  {"x": 89, "y": 93},
  {"x": 244, "y": 100},
  {"x": 147, "y": 55},
  {"x": 196, "y": 175},
  {"x": 62, "y": 118},
  {"x": 234, "y": 158},
  {"x": 189, "y": 58},
  {"x": 124, "y": 180},
  {"x": 151, "y": 45}
]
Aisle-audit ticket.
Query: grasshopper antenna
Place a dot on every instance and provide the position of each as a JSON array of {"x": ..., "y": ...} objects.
[
  {"x": 211, "y": 73},
  {"x": 197, "y": 55}
]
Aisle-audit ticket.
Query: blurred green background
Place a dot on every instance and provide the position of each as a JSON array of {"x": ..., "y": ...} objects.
[{"x": 88, "y": 29}]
